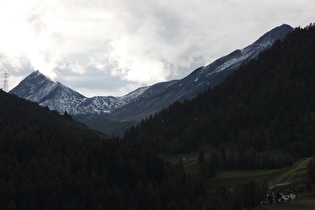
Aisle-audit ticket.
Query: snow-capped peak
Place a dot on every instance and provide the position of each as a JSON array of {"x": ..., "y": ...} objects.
[
  {"x": 38, "y": 88},
  {"x": 145, "y": 100}
]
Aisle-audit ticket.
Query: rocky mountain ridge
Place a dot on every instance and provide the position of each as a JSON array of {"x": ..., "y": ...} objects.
[{"x": 145, "y": 100}]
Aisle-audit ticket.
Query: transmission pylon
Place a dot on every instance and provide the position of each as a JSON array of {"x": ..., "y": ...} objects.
[{"x": 5, "y": 81}]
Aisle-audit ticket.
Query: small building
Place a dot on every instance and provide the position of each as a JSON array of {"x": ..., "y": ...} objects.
[
  {"x": 287, "y": 195},
  {"x": 283, "y": 195}
]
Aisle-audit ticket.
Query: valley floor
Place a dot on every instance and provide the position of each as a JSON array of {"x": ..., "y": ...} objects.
[{"x": 297, "y": 173}]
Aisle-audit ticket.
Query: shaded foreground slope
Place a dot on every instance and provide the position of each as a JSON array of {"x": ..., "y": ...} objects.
[{"x": 48, "y": 161}]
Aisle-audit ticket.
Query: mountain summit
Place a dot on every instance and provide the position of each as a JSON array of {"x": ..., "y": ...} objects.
[
  {"x": 146, "y": 100},
  {"x": 161, "y": 95},
  {"x": 38, "y": 88}
]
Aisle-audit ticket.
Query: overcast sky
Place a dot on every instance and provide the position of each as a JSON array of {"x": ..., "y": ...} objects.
[{"x": 102, "y": 47}]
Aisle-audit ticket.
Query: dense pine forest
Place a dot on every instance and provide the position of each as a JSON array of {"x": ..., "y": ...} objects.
[
  {"x": 268, "y": 103},
  {"x": 49, "y": 161}
]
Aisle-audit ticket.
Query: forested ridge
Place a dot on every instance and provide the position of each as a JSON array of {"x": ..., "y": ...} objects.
[
  {"x": 269, "y": 103},
  {"x": 23, "y": 112},
  {"x": 49, "y": 161}
]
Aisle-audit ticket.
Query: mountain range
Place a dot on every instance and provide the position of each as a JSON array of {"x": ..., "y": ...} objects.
[{"x": 143, "y": 101}]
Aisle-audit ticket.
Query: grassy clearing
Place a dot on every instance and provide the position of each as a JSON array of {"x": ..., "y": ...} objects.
[
  {"x": 296, "y": 174},
  {"x": 293, "y": 174},
  {"x": 230, "y": 179},
  {"x": 190, "y": 160}
]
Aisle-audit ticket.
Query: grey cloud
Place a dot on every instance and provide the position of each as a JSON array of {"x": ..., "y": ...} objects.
[
  {"x": 95, "y": 82},
  {"x": 106, "y": 46}
]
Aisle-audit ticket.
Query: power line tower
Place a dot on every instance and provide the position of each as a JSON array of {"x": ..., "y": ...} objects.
[{"x": 5, "y": 81}]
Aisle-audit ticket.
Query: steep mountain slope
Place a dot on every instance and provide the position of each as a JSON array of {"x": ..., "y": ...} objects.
[
  {"x": 38, "y": 88},
  {"x": 267, "y": 103},
  {"x": 18, "y": 111},
  {"x": 143, "y": 101},
  {"x": 161, "y": 95}
]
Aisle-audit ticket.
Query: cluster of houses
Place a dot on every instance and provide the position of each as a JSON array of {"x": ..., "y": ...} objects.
[
  {"x": 283, "y": 194},
  {"x": 279, "y": 197}
]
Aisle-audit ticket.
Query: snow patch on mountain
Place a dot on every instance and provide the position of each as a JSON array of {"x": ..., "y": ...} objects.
[
  {"x": 38, "y": 88},
  {"x": 132, "y": 95},
  {"x": 145, "y": 100}
]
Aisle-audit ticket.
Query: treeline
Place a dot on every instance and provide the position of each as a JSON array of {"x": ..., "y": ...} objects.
[
  {"x": 247, "y": 160},
  {"x": 244, "y": 196},
  {"x": 267, "y": 104}
]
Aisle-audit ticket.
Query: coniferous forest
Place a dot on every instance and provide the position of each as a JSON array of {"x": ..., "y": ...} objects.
[{"x": 49, "y": 161}]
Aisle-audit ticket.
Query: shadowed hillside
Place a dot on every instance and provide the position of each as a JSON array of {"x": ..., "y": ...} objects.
[{"x": 49, "y": 161}]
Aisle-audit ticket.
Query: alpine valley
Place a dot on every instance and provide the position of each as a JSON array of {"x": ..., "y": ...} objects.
[
  {"x": 124, "y": 111},
  {"x": 246, "y": 143}
]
